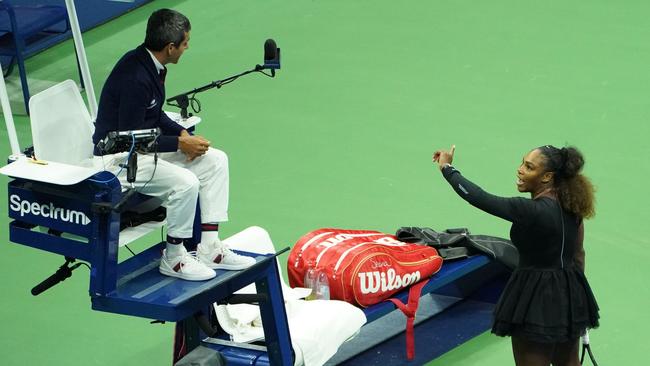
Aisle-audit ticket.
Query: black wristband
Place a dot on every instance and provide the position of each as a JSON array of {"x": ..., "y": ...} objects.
[{"x": 447, "y": 170}]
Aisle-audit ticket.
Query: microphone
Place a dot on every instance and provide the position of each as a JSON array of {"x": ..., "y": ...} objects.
[
  {"x": 271, "y": 56},
  {"x": 59, "y": 276}
]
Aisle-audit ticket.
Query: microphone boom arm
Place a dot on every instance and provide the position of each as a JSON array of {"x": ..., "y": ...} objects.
[{"x": 183, "y": 100}]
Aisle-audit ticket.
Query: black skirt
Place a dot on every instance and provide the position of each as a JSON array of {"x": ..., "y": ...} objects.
[{"x": 546, "y": 305}]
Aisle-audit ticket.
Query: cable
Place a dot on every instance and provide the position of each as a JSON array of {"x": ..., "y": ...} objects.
[
  {"x": 262, "y": 71},
  {"x": 195, "y": 103},
  {"x": 155, "y": 165},
  {"x": 121, "y": 165}
]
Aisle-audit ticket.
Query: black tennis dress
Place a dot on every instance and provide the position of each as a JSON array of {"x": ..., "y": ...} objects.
[{"x": 547, "y": 298}]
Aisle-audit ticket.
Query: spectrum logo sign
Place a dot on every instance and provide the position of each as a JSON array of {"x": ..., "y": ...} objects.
[{"x": 25, "y": 207}]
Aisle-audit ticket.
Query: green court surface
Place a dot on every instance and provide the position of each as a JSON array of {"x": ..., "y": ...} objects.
[{"x": 343, "y": 137}]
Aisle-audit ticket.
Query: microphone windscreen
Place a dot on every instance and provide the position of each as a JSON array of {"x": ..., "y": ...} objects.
[{"x": 270, "y": 50}]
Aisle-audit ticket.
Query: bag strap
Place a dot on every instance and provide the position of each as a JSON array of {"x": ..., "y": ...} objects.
[
  {"x": 180, "y": 348},
  {"x": 409, "y": 310},
  {"x": 418, "y": 235}
]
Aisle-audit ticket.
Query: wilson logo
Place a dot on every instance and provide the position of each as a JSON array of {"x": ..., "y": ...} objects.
[
  {"x": 50, "y": 211},
  {"x": 373, "y": 282}
]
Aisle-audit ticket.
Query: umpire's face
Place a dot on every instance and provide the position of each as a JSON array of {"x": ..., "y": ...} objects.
[{"x": 175, "y": 52}]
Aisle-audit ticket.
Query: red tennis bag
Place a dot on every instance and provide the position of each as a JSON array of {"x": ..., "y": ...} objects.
[{"x": 363, "y": 267}]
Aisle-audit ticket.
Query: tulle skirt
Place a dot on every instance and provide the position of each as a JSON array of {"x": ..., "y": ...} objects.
[{"x": 546, "y": 305}]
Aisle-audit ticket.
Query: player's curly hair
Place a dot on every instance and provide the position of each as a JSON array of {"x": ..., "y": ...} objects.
[{"x": 574, "y": 190}]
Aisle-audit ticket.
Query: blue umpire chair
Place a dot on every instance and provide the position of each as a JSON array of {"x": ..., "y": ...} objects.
[{"x": 61, "y": 201}]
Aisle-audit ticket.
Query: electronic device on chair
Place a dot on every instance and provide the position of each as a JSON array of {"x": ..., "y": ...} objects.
[
  {"x": 123, "y": 141},
  {"x": 133, "y": 141}
]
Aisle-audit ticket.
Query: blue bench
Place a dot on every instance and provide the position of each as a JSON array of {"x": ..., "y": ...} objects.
[{"x": 456, "y": 305}]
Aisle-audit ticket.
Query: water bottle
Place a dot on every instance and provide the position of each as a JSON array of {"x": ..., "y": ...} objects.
[
  {"x": 322, "y": 286},
  {"x": 311, "y": 277}
]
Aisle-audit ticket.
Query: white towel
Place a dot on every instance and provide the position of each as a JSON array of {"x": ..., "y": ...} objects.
[{"x": 317, "y": 327}]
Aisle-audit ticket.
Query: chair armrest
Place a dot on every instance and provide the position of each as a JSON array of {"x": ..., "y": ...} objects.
[{"x": 49, "y": 172}]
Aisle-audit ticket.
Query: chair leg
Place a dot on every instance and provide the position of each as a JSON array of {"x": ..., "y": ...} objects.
[{"x": 20, "y": 47}]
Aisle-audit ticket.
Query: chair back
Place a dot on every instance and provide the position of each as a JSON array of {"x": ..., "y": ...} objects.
[{"x": 61, "y": 126}]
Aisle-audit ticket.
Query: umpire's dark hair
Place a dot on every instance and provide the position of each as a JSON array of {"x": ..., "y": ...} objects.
[{"x": 166, "y": 26}]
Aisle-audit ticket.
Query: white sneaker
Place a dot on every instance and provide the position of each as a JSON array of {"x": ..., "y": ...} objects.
[
  {"x": 218, "y": 256},
  {"x": 185, "y": 267}
]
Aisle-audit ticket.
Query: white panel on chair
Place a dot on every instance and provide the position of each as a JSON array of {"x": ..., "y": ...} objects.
[{"x": 61, "y": 125}]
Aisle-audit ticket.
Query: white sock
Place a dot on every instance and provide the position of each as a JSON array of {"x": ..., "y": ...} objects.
[
  {"x": 209, "y": 237},
  {"x": 173, "y": 250}
]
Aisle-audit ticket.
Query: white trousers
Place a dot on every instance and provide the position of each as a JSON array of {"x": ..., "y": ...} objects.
[{"x": 179, "y": 184}]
